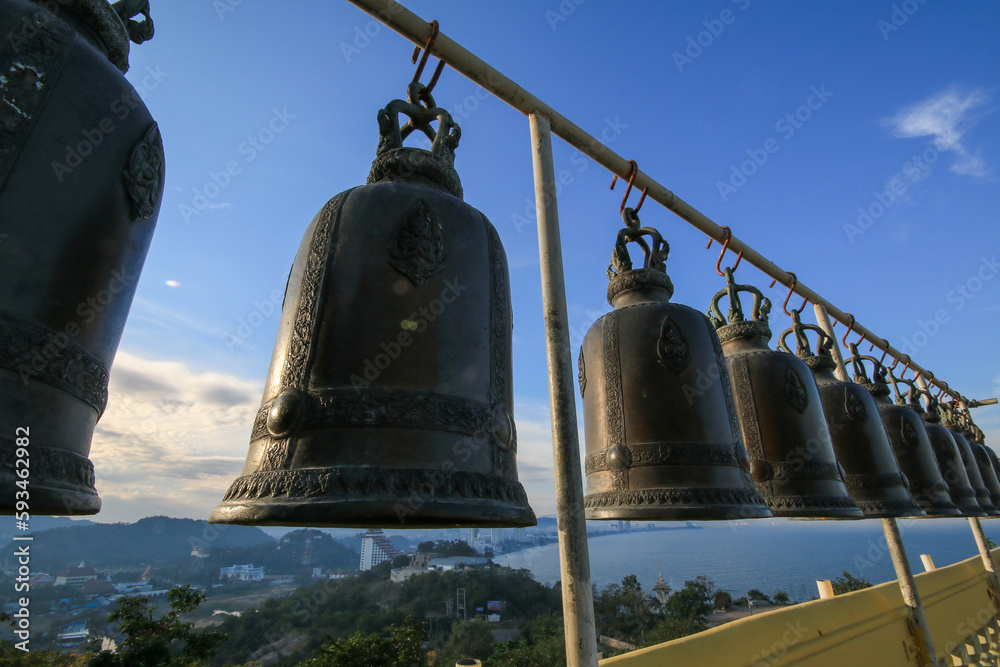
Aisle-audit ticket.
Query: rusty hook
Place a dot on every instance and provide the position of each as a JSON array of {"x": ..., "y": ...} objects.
[
  {"x": 631, "y": 179},
  {"x": 884, "y": 352},
  {"x": 850, "y": 328},
  {"x": 791, "y": 290},
  {"x": 423, "y": 61},
  {"x": 906, "y": 367},
  {"x": 725, "y": 246}
]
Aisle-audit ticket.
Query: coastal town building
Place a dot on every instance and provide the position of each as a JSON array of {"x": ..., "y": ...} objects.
[{"x": 376, "y": 548}]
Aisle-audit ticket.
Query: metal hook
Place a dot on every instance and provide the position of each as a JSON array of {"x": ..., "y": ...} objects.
[
  {"x": 425, "y": 93},
  {"x": 903, "y": 372},
  {"x": 631, "y": 179},
  {"x": 850, "y": 328},
  {"x": 791, "y": 290},
  {"x": 884, "y": 352},
  {"x": 725, "y": 246}
]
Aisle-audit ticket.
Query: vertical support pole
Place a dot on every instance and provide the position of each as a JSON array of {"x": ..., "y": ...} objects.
[
  {"x": 825, "y": 587},
  {"x": 928, "y": 562},
  {"x": 574, "y": 556},
  {"x": 904, "y": 575},
  {"x": 823, "y": 320},
  {"x": 908, "y": 587},
  {"x": 978, "y": 534},
  {"x": 984, "y": 551}
]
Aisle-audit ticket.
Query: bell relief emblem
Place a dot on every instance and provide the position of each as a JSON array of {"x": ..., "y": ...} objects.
[
  {"x": 795, "y": 391},
  {"x": 418, "y": 250},
  {"x": 854, "y": 408},
  {"x": 908, "y": 434},
  {"x": 672, "y": 348},
  {"x": 583, "y": 374}
]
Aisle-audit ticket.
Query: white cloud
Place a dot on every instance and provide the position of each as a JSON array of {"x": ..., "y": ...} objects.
[
  {"x": 946, "y": 117},
  {"x": 171, "y": 440}
]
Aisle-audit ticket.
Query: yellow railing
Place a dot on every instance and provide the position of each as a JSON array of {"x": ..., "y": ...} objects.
[{"x": 867, "y": 627}]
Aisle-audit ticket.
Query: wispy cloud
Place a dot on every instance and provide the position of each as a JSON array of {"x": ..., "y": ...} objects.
[{"x": 946, "y": 117}]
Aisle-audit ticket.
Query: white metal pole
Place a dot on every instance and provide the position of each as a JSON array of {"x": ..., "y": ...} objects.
[
  {"x": 574, "y": 557},
  {"x": 893, "y": 539}
]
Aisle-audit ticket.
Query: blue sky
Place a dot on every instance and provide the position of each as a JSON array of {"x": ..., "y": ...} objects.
[{"x": 855, "y": 144}]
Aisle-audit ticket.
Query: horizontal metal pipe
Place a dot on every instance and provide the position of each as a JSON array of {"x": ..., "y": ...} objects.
[{"x": 418, "y": 31}]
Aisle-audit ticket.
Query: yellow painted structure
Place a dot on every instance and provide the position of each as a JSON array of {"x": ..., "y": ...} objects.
[{"x": 859, "y": 629}]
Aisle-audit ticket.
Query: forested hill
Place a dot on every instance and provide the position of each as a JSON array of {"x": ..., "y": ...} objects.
[{"x": 158, "y": 541}]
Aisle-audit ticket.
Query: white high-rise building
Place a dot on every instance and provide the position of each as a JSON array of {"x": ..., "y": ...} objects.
[{"x": 376, "y": 548}]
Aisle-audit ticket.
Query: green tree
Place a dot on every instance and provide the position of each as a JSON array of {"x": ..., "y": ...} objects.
[
  {"x": 686, "y": 611},
  {"x": 542, "y": 644},
  {"x": 164, "y": 642},
  {"x": 755, "y": 594},
  {"x": 848, "y": 583},
  {"x": 780, "y": 597},
  {"x": 397, "y": 646},
  {"x": 400, "y": 561},
  {"x": 469, "y": 639},
  {"x": 625, "y": 611},
  {"x": 722, "y": 600}
]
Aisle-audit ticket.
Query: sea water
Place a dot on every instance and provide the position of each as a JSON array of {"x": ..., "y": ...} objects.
[{"x": 768, "y": 554}]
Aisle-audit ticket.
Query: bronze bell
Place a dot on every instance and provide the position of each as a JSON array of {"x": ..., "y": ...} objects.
[
  {"x": 909, "y": 442},
  {"x": 860, "y": 442},
  {"x": 982, "y": 453},
  {"x": 951, "y": 422},
  {"x": 781, "y": 418},
  {"x": 661, "y": 431},
  {"x": 81, "y": 180},
  {"x": 949, "y": 458},
  {"x": 389, "y": 398}
]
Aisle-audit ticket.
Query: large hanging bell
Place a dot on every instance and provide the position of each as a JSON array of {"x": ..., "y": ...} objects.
[
  {"x": 872, "y": 473},
  {"x": 389, "y": 399},
  {"x": 81, "y": 180},
  {"x": 909, "y": 441},
  {"x": 661, "y": 431},
  {"x": 951, "y": 421},
  {"x": 949, "y": 459},
  {"x": 984, "y": 457},
  {"x": 780, "y": 415}
]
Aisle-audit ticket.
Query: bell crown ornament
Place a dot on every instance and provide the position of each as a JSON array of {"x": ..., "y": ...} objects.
[
  {"x": 389, "y": 398},
  {"x": 871, "y": 472},
  {"x": 661, "y": 432},
  {"x": 781, "y": 419}
]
